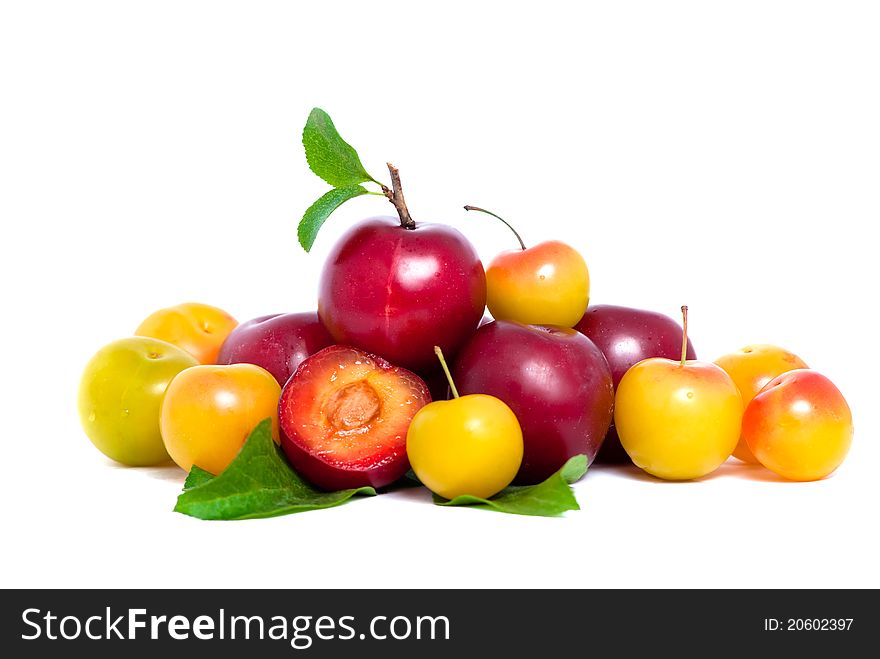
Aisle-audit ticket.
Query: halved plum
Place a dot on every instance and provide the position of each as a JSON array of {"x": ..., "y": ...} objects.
[{"x": 344, "y": 415}]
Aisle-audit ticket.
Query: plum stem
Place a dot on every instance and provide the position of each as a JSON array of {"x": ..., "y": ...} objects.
[
  {"x": 684, "y": 335},
  {"x": 395, "y": 196},
  {"x": 439, "y": 354},
  {"x": 483, "y": 210}
]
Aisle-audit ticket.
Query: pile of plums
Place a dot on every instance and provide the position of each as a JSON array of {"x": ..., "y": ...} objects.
[{"x": 400, "y": 367}]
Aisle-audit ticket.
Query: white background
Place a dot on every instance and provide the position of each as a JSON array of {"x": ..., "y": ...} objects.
[{"x": 723, "y": 155}]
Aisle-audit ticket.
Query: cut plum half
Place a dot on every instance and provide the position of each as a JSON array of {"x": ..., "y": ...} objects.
[{"x": 344, "y": 415}]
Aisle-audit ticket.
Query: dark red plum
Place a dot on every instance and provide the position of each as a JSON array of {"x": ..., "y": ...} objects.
[
  {"x": 626, "y": 336},
  {"x": 278, "y": 342},
  {"x": 397, "y": 291},
  {"x": 437, "y": 383},
  {"x": 435, "y": 378},
  {"x": 555, "y": 380}
]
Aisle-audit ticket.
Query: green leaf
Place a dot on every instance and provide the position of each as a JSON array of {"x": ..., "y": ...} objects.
[
  {"x": 574, "y": 469},
  {"x": 548, "y": 499},
  {"x": 197, "y": 476},
  {"x": 257, "y": 483},
  {"x": 313, "y": 219},
  {"x": 328, "y": 155}
]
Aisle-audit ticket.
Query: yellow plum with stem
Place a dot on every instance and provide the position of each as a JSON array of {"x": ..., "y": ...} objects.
[
  {"x": 546, "y": 284},
  {"x": 468, "y": 445},
  {"x": 678, "y": 420}
]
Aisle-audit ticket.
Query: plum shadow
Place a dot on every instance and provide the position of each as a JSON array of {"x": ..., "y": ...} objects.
[
  {"x": 732, "y": 468},
  {"x": 169, "y": 471},
  {"x": 751, "y": 472}
]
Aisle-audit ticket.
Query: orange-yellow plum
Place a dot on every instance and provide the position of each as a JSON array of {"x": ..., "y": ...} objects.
[
  {"x": 547, "y": 284},
  {"x": 209, "y": 411},
  {"x": 751, "y": 368},
  {"x": 799, "y": 426},
  {"x": 199, "y": 329}
]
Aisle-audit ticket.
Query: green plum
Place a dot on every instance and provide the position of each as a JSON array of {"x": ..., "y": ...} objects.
[{"x": 120, "y": 398}]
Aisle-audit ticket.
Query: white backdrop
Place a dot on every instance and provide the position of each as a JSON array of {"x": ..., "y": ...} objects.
[{"x": 723, "y": 155}]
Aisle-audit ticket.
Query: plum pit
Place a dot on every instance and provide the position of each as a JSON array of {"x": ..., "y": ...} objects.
[{"x": 352, "y": 406}]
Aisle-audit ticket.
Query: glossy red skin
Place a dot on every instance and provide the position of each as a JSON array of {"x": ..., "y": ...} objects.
[
  {"x": 435, "y": 378},
  {"x": 555, "y": 380},
  {"x": 626, "y": 336},
  {"x": 277, "y": 342},
  {"x": 385, "y": 467},
  {"x": 397, "y": 292},
  {"x": 331, "y": 478}
]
